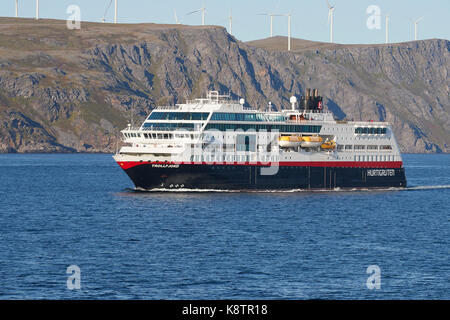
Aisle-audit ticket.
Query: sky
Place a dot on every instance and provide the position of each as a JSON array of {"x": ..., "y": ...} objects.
[{"x": 309, "y": 17}]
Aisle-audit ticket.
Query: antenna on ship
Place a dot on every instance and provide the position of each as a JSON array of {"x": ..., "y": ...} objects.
[{"x": 131, "y": 116}]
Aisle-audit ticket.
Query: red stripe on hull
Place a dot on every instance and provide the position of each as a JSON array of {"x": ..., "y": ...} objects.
[{"x": 333, "y": 164}]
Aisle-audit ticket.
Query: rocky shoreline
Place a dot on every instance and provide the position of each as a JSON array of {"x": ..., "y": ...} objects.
[{"x": 71, "y": 91}]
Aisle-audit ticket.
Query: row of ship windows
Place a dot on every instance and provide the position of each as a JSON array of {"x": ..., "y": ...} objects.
[
  {"x": 132, "y": 135},
  {"x": 219, "y": 116},
  {"x": 232, "y": 158},
  {"x": 179, "y": 115},
  {"x": 247, "y": 117},
  {"x": 375, "y": 158},
  {"x": 162, "y": 135},
  {"x": 349, "y": 147},
  {"x": 264, "y": 127},
  {"x": 365, "y": 130},
  {"x": 248, "y": 158},
  {"x": 231, "y": 126},
  {"x": 340, "y": 147},
  {"x": 171, "y": 126}
]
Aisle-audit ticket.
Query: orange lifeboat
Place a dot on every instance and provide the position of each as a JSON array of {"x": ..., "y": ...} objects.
[
  {"x": 311, "y": 141},
  {"x": 328, "y": 145},
  {"x": 289, "y": 141}
]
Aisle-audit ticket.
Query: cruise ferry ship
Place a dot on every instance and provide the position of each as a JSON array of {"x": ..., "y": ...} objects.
[{"x": 218, "y": 143}]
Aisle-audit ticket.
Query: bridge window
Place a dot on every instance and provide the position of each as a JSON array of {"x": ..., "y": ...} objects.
[
  {"x": 364, "y": 130},
  {"x": 158, "y": 115},
  {"x": 169, "y": 126}
]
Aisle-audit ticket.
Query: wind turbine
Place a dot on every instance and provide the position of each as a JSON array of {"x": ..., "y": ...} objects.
[
  {"x": 289, "y": 31},
  {"x": 387, "y": 28},
  {"x": 37, "y": 9},
  {"x": 415, "y": 27},
  {"x": 330, "y": 19},
  {"x": 115, "y": 11},
  {"x": 176, "y": 17},
  {"x": 271, "y": 15},
  {"x": 231, "y": 22},
  {"x": 203, "y": 10},
  {"x": 106, "y": 11}
]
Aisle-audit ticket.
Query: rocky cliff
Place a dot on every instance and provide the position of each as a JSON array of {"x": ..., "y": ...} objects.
[{"x": 72, "y": 90}]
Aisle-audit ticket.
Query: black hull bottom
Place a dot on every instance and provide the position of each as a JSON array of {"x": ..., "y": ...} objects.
[{"x": 239, "y": 177}]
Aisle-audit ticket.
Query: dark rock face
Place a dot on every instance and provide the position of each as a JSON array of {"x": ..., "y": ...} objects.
[{"x": 74, "y": 90}]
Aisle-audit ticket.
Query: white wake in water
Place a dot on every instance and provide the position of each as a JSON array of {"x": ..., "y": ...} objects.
[
  {"x": 445, "y": 186},
  {"x": 187, "y": 190}
]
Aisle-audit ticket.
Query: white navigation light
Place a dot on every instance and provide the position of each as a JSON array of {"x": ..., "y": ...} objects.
[
  {"x": 242, "y": 101},
  {"x": 293, "y": 101}
]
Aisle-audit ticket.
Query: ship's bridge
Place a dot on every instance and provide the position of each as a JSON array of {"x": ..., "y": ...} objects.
[{"x": 214, "y": 102}]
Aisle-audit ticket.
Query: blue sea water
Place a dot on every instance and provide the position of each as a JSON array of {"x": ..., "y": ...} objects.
[{"x": 58, "y": 210}]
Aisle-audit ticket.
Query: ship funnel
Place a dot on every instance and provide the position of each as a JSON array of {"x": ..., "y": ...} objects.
[{"x": 311, "y": 101}]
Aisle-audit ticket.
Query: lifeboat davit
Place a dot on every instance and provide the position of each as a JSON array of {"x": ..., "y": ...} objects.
[
  {"x": 311, "y": 141},
  {"x": 289, "y": 141},
  {"x": 328, "y": 145}
]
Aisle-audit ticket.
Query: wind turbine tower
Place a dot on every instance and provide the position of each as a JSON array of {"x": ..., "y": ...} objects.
[
  {"x": 289, "y": 31},
  {"x": 231, "y": 23},
  {"x": 271, "y": 25},
  {"x": 176, "y": 17},
  {"x": 415, "y": 27},
  {"x": 330, "y": 19},
  {"x": 17, "y": 8},
  {"x": 203, "y": 10},
  {"x": 37, "y": 9},
  {"x": 115, "y": 11},
  {"x": 387, "y": 28},
  {"x": 271, "y": 15}
]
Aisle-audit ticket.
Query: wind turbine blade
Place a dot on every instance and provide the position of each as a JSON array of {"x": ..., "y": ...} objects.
[
  {"x": 329, "y": 16},
  {"x": 328, "y": 4},
  {"x": 193, "y": 12},
  {"x": 419, "y": 19}
]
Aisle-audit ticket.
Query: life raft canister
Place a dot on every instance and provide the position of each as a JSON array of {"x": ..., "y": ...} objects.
[{"x": 319, "y": 105}]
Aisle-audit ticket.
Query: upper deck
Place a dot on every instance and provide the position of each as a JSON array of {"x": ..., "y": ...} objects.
[{"x": 170, "y": 129}]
